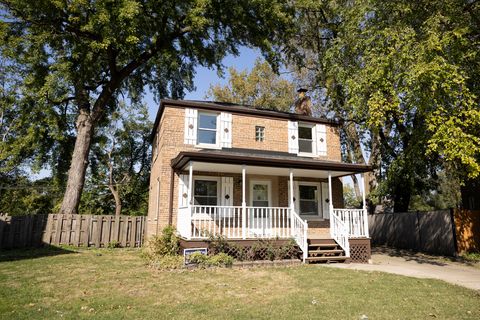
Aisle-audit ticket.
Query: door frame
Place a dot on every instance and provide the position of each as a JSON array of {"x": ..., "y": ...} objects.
[{"x": 319, "y": 214}]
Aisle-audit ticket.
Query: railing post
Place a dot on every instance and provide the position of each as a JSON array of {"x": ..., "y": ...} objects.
[
  {"x": 189, "y": 203},
  {"x": 292, "y": 205},
  {"x": 244, "y": 205},
  {"x": 305, "y": 241},
  {"x": 364, "y": 211}
]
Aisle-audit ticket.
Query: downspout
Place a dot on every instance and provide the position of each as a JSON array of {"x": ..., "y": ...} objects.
[
  {"x": 158, "y": 203},
  {"x": 170, "y": 202}
]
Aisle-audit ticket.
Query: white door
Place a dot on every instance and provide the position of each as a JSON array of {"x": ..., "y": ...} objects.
[
  {"x": 325, "y": 201},
  {"x": 260, "y": 219}
]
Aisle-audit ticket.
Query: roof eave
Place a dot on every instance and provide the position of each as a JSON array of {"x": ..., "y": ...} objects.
[{"x": 182, "y": 159}]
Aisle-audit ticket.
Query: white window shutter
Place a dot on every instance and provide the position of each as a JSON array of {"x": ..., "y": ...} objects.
[
  {"x": 225, "y": 130},
  {"x": 292, "y": 137},
  {"x": 183, "y": 190},
  {"x": 321, "y": 139},
  {"x": 191, "y": 126},
  {"x": 227, "y": 191}
]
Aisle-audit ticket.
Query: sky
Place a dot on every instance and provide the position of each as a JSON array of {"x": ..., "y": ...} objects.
[{"x": 205, "y": 77}]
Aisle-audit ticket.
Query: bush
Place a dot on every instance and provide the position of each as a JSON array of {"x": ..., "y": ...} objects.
[
  {"x": 217, "y": 260},
  {"x": 166, "y": 244},
  {"x": 218, "y": 244}
]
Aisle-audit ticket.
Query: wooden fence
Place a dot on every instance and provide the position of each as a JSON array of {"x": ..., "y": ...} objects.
[{"x": 76, "y": 230}]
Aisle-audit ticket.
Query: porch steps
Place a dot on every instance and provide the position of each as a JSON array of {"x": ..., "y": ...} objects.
[{"x": 325, "y": 251}]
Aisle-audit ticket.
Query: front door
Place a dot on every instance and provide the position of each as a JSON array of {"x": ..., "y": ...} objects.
[{"x": 259, "y": 218}]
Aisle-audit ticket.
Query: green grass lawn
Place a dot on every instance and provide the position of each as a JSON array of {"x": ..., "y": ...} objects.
[{"x": 115, "y": 284}]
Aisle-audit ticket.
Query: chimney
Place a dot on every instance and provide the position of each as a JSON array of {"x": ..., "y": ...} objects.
[{"x": 303, "y": 104}]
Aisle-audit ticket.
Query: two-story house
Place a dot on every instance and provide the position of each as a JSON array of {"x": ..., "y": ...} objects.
[{"x": 246, "y": 173}]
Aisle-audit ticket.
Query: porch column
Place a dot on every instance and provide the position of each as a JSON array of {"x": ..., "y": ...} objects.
[
  {"x": 365, "y": 216},
  {"x": 244, "y": 203},
  {"x": 292, "y": 204},
  {"x": 330, "y": 203},
  {"x": 190, "y": 199}
]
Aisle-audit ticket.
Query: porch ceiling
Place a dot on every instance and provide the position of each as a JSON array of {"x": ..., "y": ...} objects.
[{"x": 264, "y": 163}]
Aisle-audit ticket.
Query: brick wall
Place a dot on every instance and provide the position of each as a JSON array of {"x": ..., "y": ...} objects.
[{"x": 170, "y": 143}]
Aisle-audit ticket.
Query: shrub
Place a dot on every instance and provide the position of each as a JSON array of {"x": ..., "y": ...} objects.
[
  {"x": 167, "y": 244},
  {"x": 218, "y": 244},
  {"x": 217, "y": 260}
]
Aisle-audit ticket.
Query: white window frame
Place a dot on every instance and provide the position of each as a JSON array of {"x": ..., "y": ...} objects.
[
  {"x": 208, "y": 178},
  {"x": 261, "y": 133},
  {"x": 312, "y": 128},
  {"x": 268, "y": 183},
  {"x": 309, "y": 217},
  {"x": 217, "y": 131}
]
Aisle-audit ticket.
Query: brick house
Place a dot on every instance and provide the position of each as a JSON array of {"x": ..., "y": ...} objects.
[{"x": 245, "y": 173}]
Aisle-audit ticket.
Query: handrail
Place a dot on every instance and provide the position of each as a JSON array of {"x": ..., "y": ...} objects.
[
  {"x": 339, "y": 232},
  {"x": 355, "y": 220},
  {"x": 300, "y": 232}
]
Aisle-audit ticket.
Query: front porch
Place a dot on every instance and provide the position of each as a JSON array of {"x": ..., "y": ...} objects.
[{"x": 240, "y": 202}]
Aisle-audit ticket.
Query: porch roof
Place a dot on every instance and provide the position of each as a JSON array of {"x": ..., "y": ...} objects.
[{"x": 278, "y": 163}]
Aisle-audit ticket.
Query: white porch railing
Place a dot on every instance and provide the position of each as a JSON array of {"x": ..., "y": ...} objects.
[
  {"x": 355, "y": 220},
  {"x": 339, "y": 232},
  {"x": 233, "y": 222}
]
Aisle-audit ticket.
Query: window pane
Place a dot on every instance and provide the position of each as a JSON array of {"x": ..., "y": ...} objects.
[
  {"x": 205, "y": 188},
  {"x": 207, "y": 136},
  {"x": 308, "y": 207},
  {"x": 308, "y": 192},
  {"x": 205, "y": 201},
  {"x": 305, "y": 146},
  {"x": 305, "y": 133},
  {"x": 207, "y": 121},
  {"x": 260, "y": 192},
  {"x": 259, "y": 133}
]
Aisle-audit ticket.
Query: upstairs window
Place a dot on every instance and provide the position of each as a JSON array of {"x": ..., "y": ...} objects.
[
  {"x": 259, "y": 133},
  {"x": 207, "y": 128},
  {"x": 305, "y": 139}
]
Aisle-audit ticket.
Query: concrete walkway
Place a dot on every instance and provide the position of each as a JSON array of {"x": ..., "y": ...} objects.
[{"x": 419, "y": 266}]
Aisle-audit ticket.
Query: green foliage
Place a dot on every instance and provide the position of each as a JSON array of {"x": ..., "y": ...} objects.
[
  {"x": 167, "y": 244},
  {"x": 113, "y": 244},
  {"x": 261, "y": 88},
  {"x": 67, "y": 64},
  {"x": 120, "y": 159},
  {"x": 350, "y": 198},
  {"x": 471, "y": 256},
  {"x": 20, "y": 196},
  {"x": 217, "y": 260},
  {"x": 407, "y": 73}
]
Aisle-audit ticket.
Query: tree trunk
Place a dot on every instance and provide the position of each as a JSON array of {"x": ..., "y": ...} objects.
[
  {"x": 78, "y": 166},
  {"x": 118, "y": 201}
]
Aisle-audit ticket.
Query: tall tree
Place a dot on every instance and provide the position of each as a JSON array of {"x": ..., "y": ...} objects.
[
  {"x": 407, "y": 73},
  {"x": 120, "y": 160},
  {"x": 89, "y": 52},
  {"x": 262, "y": 87}
]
